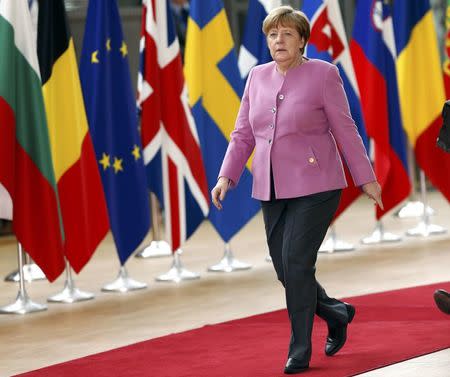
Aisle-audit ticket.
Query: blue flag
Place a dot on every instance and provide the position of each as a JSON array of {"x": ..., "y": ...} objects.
[
  {"x": 215, "y": 88},
  {"x": 254, "y": 48},
  {"x": 111, "y": 110}
]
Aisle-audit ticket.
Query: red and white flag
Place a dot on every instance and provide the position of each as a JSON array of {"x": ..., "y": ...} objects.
[{"x": 172, "y": 154}]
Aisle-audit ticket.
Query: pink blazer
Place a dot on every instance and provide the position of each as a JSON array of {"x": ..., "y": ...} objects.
[{"x": 294, "y": 122}]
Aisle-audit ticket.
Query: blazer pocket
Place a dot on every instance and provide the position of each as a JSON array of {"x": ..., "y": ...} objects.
[{"x": 311, "y": 159}]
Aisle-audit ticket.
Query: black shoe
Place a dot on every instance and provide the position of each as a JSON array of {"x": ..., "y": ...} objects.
[
  {"x": 442, "y": 299},
  {"x": 294, "y": 366},
  {"x": 338, "y": 335}
]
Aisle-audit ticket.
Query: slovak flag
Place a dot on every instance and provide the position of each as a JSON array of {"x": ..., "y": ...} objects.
[
  {"x": 374, "y": 54},
  {"x": 329, "y": 42},
  {"x": 172, "y": 154}
]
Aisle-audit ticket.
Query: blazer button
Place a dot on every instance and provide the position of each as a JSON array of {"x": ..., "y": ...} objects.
[
  {"x": 274, "y": 110},
  {"x": 270, "y": 141},
  {"x": 311, "y": 160},
  {"x": 281, "y": 96},
  {"x": 271, "y": 125}
]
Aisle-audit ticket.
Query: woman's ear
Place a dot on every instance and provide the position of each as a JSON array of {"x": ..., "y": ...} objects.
[{"x": 302, "y": 43}]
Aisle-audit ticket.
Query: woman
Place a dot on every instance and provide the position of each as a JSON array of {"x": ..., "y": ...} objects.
[{"x": 292, "y": 113}]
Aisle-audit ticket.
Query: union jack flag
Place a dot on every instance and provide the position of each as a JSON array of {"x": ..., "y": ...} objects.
[{"x": 172, "y": 153}]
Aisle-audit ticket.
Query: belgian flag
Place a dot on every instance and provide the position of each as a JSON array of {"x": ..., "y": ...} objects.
[{"x": 83, "y": 205}]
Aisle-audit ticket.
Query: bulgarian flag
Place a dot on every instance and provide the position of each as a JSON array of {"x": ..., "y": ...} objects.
[{"x": 28, "y": 193}]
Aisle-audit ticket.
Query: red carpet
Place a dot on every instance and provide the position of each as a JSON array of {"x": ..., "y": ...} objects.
[{"x": 388, "y": 328}]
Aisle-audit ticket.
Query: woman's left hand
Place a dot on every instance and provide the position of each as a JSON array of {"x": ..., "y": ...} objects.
[{"x": 373, "y": 191}]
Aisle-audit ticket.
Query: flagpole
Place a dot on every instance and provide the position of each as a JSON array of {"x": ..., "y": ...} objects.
[
  {"x": 333, "y": 244},
  {"x": 424, "y": 228},
  {"x": 413, "y": 207},
  {"x": 247, "y": 60},
  {"x": 23, "y": 303},
  {"x": 123, "y": 283},
  {"x": 158, "y": 247},
  {"x": 177, "y": 272},
  {"x": 70, "y": 293},
  {"x": 229, "y": 263},
  {"x": 31, "y": 272}
]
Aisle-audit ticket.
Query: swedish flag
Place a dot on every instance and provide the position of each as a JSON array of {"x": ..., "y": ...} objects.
[
  {"x": 215, "y": 88},
  {"x": 111, "y": 110}
]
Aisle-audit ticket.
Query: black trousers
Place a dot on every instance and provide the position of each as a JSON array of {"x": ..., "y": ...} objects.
[{"x": 295, "y": 229}]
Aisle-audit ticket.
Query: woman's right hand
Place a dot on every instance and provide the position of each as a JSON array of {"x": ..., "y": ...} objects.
[
  {"x": 219, "y": 191},
  {"x": 373, "y": 191}
]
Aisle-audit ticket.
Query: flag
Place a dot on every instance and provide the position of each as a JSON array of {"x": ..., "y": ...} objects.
[
  {"x": 111, "y": 111},
  {"x": 172, "y": 153},
  {"x": 328, "y": 42},
  {"x": 421, "y": 87},
  {"x": 446, "y": 66},
  {"x": 33, "y": 5},
  {"x": 254, "y": 48},
  {"x": 373, "y": 52},
  {"x": 28, "y": 194},
  {"x": 215, "y": 88},
  {"x": 83, "y": 205}
]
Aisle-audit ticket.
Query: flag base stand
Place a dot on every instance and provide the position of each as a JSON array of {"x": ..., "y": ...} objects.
[
  {"x": 424, "y": 230},
  {"x": 228, "y": 263},
  {"x": 380, "y": 236},
  {"x": 333, "y": 244},
  {"x": 123, "y": 283},
  {"x": 23, "y": 305},
  {"x": 413, "y": 209},
  {"x": 158, "y": 248},
  {"x": 155, "y": 249},
  {"x": 177, "y": 272},
  {"x": 70, "y": 293},
  {"x": 31, "y": 272}
]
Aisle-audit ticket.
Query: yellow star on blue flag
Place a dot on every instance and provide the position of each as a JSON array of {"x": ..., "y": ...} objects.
[{"x": 110, "y": 106}]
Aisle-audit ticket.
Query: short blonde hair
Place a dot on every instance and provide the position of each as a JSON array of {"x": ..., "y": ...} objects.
[{"x": 288, "y": 16}]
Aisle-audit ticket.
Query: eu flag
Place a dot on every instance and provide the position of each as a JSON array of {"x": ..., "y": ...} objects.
[{"x": 111, "y": 111}]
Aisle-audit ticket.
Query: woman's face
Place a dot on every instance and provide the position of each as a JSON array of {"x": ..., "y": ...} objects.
[{"x": 284, "y": 44}]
